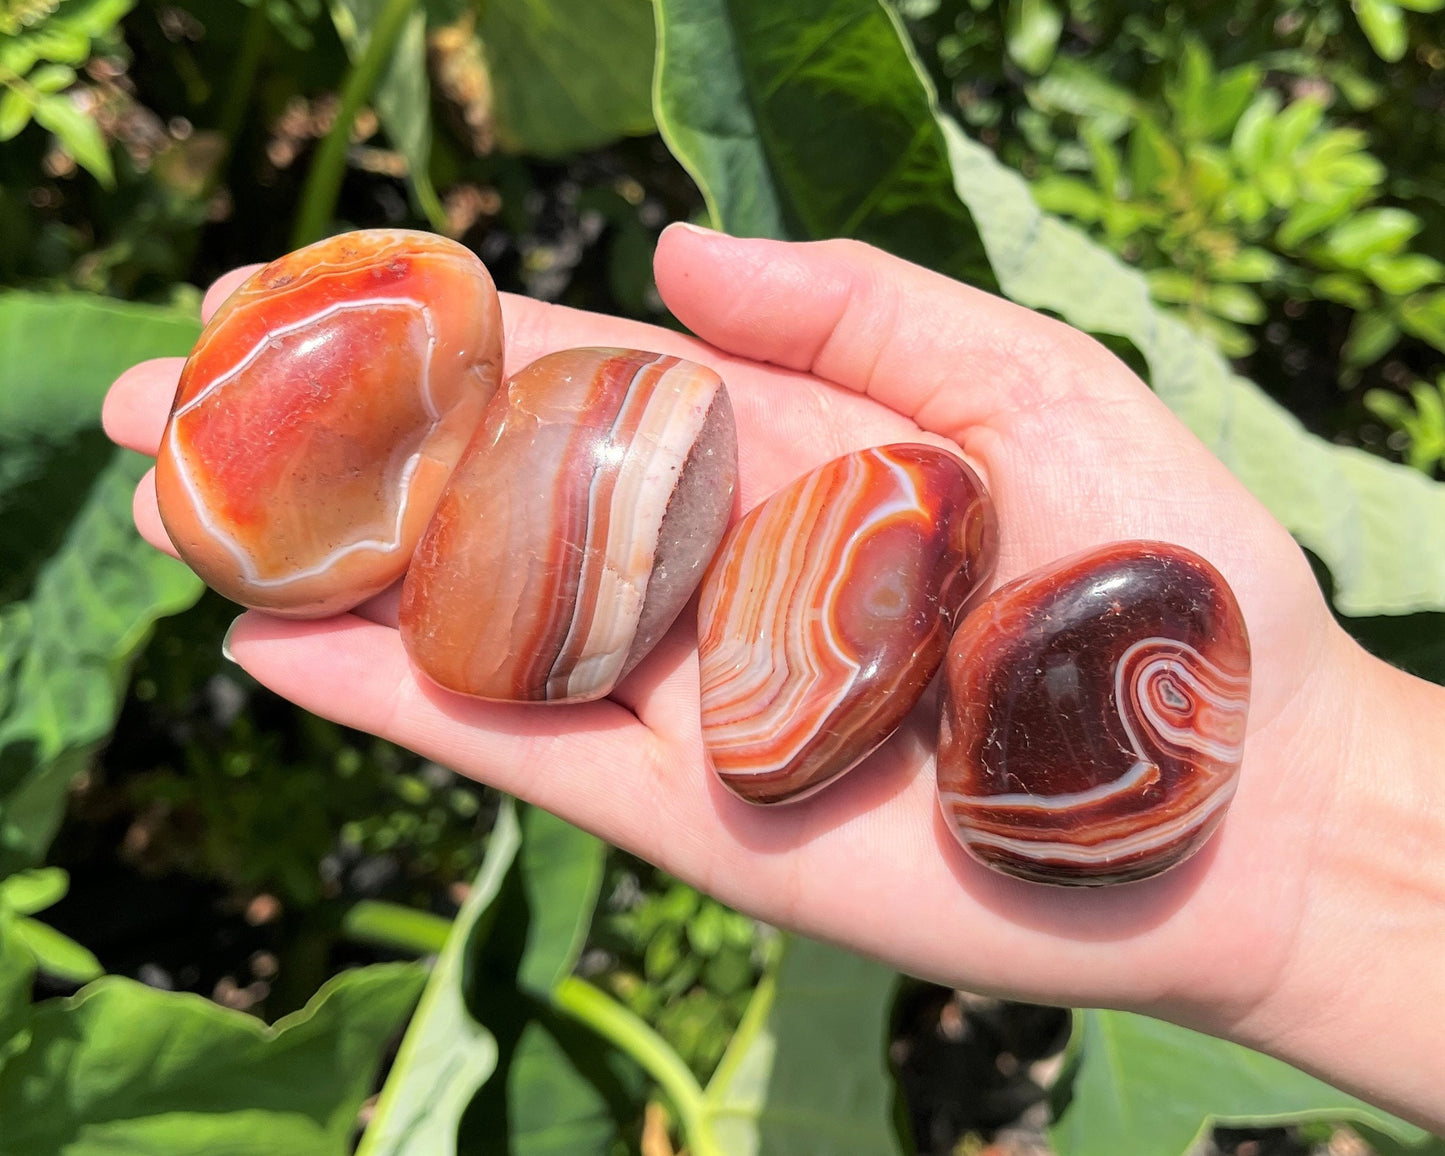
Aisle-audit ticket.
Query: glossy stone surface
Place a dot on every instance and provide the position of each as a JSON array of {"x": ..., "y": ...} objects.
[
  {"x": 828, "y": 610},
  {"x": 575, "y": 528},
  {"x": 320, "y": 413},
  {"x": 1094, "y": 716}
]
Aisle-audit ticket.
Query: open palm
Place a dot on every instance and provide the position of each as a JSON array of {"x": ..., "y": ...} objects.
[{"x": 827, "y": 348}]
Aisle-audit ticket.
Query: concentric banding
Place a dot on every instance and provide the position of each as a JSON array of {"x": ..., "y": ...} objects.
[
  {"x": 575, "y": 528},
  {"x": 319, "y": 414},
  {"x": 1094, "y": 718},
  {"x": 827, "y": 612}
]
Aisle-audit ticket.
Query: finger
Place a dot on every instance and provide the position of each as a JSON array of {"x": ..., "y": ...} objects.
[
  {"x": 137, "y": 405},
  {"x": 948, "y": 355},
  {"x": 535, "y": 328},
  {"x": 782, "y": 432},
  {"x": 222, "y": 287},
  {"x": 147, "y": 516}
]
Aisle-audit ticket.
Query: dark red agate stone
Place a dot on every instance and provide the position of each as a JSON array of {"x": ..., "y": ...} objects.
[{"x": 1094, "y": 716}]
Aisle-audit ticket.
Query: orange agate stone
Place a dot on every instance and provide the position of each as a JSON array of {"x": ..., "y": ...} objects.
[
  {"x": 575, "y": 529},
  {"x": 828, "y": 610},
  {"x": 320, "y": 414}
]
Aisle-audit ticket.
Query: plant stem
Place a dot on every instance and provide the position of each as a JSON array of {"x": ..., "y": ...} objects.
[
  {"x": 243, "y": 77},
  {"x": 625, "y": 1031},
  {"x": 323, "y": 182}
]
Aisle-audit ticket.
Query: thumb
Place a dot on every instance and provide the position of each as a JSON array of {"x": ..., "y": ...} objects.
[{"x": 945, "y": 354}]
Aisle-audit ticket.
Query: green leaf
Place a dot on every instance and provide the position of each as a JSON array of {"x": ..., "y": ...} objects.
[
  {"x": 79, "y": 590},
  {"x": 1424, "y": 316},
  {"x": 402, "y": 95},
  {"x": 51, "y": 77},
  {"x": 568, "y": 74},
  {"x": 1309, "y": 218},
  {"x": 17, "y": 974},
  {"x": 64, "y": 35},
  {"x": 1146, "y": 1086},
  {"x": 57, "y": 954},
  {"x": 27, "y": 892},
  {"x": 1369, "y": 234},
  {"x": 1404, "y": 273},
  {"x": 1232, "y": 94},
  {"x": 1236, "y": 303},
  {"x": 562, "y": 870},
  {"x": 446, "y": 1055},
  {"x": 79, "y": 134},
  {"x": 1383, "y": 24},
  {"x": 1373, "y": 334},
  {"x": 806, "y": 1074},
  {"x": 121, "y": 1067},
  {"x": 553, "y": 1107},
  {"x": 1068, "y": 196},
  {"x": 1365, "y": 518},
  {"x": 810, "y": 120},
  {"x": 1031, "y": 33},
  {"x": 1076, "y": 87},
  {"x": 1253, "y": 132},
  {"x": 1153, "y": 159},
  {"x": 15, "y": 109},
  {"x": 1248, "y": 265}
]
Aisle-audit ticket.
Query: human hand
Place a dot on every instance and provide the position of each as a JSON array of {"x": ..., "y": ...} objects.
[{"x": 827, "y": 348}]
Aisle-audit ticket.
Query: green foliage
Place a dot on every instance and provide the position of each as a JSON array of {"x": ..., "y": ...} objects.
[
  {"x": 1228, "y": 194},
  {"x": 41, "y": 45},
  {"x": 684, "y": 963},
  {"x": 21, "y": 896},
  {"x": 1137, "y": 1087},
  {"x": 1421, "y": 426},
  {"x": 810, "y": 126},
  {"x": 80, "y": 588},
  {"x": 123, "y": 1068},
  {"x": 446, "y": 1054}
]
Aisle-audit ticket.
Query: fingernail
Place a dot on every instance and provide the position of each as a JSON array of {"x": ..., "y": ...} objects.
[
  {"x": 689, "y": 227},
  {"x": 226, "y": 641}
]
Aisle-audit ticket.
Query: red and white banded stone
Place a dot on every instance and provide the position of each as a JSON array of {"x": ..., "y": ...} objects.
[
  {"x": 575, "y": 528},
  {"x": 1094, "y": 716},
  {"x": 320, "y": 413},
  {"x": 828, "y": 610}
]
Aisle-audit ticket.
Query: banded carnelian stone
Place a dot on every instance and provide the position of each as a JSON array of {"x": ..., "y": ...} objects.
[
  {"x": 828, "y": 610},
  {"x": 575, "y": 528},
  {"x": 320, "y": 413}
]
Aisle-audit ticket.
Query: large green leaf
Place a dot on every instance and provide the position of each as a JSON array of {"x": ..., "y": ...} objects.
[
  {"x": 123, "y": 1068},
  {"x": 568, "y": 74},
  {"x": 1377, "y": 526},
  {"x": 1146, "y": 1086},
  {"x": 796, "y": 119},
  {"x": 446, "y": 1054},
  {"x": 553, "y": 1106},
  {"x": 79, "y": 590},
  {"x": 561, "y": 868},
  {"x": 810, "y": 119},
  {"x": 806, "y": 1073}
]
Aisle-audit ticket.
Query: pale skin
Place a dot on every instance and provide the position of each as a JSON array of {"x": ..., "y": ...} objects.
[{"x": 1311, "y": 927}]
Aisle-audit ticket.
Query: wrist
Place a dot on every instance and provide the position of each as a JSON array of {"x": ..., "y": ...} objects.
[{"x": 1357, "y": 1000}]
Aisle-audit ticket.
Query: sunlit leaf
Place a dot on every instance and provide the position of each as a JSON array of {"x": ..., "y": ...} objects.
[
  {"x": 446, "y": 1054},
  {"x": 121, "y": 1067},
  {"x": 1146, "y": 1086},
  {"x": 79, "y": 589}
]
